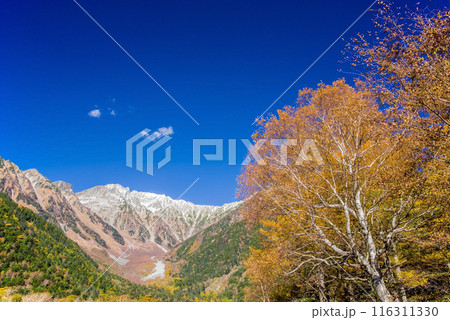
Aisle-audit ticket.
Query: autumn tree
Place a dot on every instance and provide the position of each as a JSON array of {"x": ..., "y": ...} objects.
[
  {"x": 405, "y": 64},
  {"x": 337, "y": 185}
]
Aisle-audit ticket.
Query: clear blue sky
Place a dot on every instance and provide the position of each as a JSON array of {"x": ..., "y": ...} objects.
[{"x": 224, "y": 61}]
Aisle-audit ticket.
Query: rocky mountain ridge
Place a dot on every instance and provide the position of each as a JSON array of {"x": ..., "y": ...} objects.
[
  {"x": 151, "y": 217},
  {"x": 61, "y": 207}
]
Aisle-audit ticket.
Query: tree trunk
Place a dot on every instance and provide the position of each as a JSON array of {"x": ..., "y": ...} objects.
[
  {"x": 399, "y": 276},
  {"x": 321, "y": 286},
  {"x": 371, "y": 262},
  {"x": 380, "y": 288}
]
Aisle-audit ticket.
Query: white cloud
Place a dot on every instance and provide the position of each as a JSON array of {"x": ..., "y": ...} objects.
[
  {"x": 95, "y": 113},
  {"x": 113, "y": 113},
  {"x": 161, "y": 132},
  {"x": 165, "y": 131}
]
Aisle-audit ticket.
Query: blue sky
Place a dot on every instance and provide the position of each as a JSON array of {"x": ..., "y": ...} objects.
[{"x": 224, "y": 61}]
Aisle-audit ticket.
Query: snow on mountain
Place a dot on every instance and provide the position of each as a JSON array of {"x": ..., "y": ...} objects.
[{"x": 151, "y": 217}]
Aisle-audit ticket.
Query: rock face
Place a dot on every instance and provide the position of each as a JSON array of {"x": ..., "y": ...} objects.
[
  {"x": 111, "y": 223},
  {"x": 15, "y": 184},
  {"x": 151, "y": 217},
  {"x": 58, "y": 204}
]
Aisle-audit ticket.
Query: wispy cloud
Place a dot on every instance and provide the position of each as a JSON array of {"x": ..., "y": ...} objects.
[{"x": 95, "y": 113}]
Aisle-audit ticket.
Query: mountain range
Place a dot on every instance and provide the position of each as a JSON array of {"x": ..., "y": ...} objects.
[{"x": 134, "y": 231}]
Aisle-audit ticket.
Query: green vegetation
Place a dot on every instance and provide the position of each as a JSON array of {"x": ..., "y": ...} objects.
[
  {"x": 211, "y": 262},
  {"x": 36, "y": 256}
]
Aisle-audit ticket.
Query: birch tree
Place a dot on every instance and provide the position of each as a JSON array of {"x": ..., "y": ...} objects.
[{"x": 345, "y": 213}]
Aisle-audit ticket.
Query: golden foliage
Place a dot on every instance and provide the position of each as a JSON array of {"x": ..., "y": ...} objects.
[{"x": 341, "y": 211}]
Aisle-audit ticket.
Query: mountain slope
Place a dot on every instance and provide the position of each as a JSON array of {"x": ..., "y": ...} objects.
[
  {"x": 36, "y": 256},
  {"x": 57, "y": 203},
  {"x": 32, "y": 190},
  {"x": 209, "y": 265}
]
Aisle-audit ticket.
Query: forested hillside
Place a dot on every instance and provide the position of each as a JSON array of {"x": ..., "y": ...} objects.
[
  {"x": 209, "y": 266},
  {"x": 213, "y": 260},
  {"x": 36, "y": 256}
]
